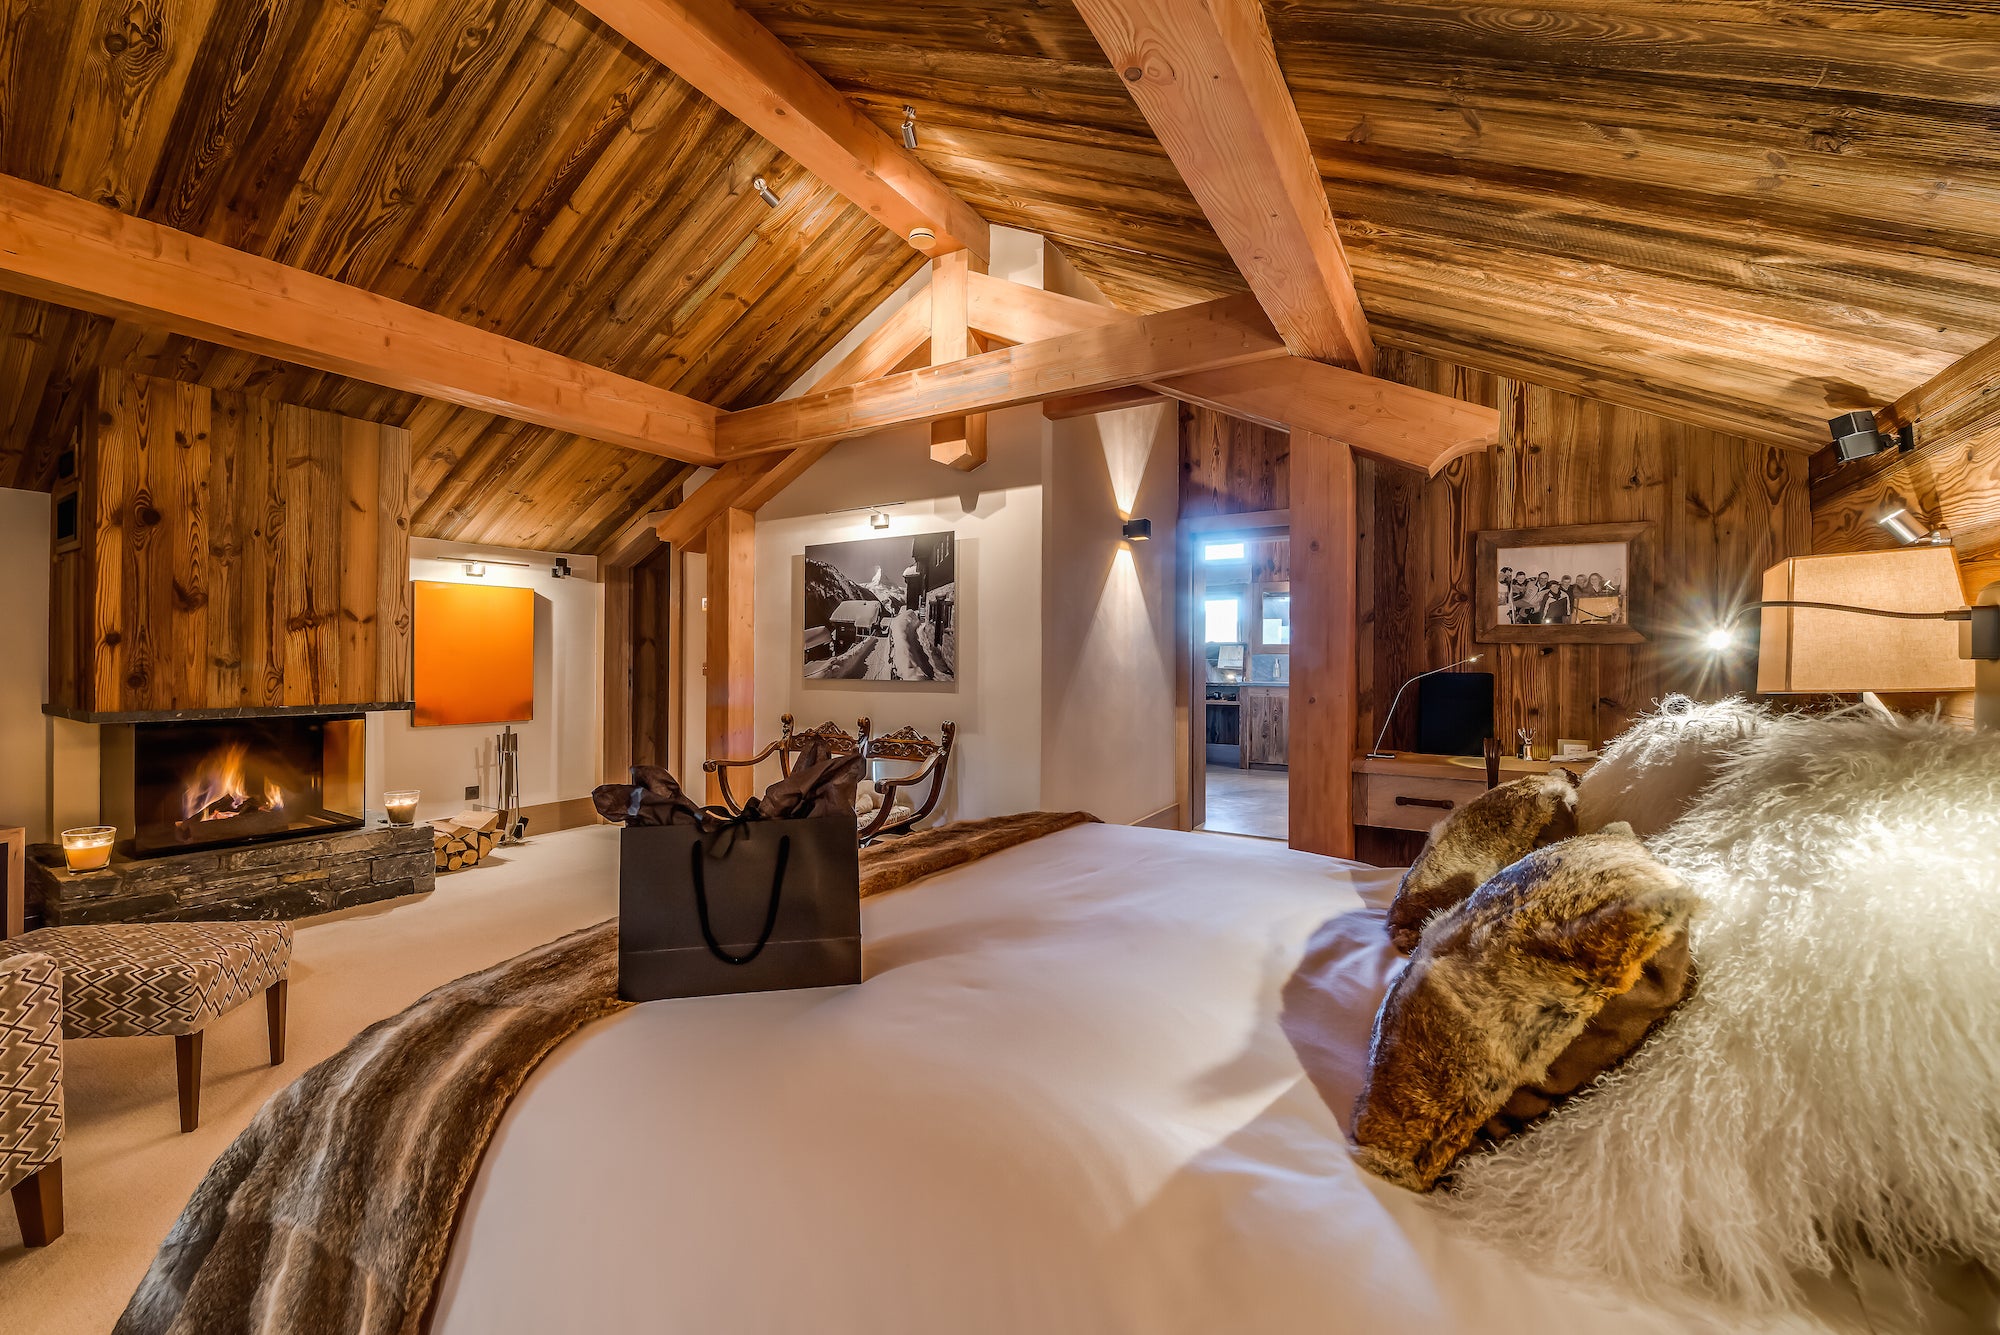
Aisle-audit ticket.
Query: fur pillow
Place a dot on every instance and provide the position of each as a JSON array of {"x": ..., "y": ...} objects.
[
  {"x": 1656, "y": 768},
  {"x": 1503, "y": 986},
  {"x": 1500, "y": 826},
  {"x": 1828, "y": 1092}
]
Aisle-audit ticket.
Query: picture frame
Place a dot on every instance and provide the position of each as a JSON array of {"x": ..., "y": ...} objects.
[{"x": 1564, "y": 584}]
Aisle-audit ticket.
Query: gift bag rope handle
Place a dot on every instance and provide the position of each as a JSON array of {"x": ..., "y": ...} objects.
[{"x": 698, "y": 858}]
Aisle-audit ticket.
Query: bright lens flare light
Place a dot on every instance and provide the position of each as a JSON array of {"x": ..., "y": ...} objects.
[{"x": 1719, "y": 639}]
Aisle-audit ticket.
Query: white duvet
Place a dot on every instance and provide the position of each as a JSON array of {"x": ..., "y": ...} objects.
[{"x": 1061, "y": 1102}]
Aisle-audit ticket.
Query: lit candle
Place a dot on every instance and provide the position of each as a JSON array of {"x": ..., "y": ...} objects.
[
  {"x": 401, "y": 805},
  {"x": 88, "y": 848}
]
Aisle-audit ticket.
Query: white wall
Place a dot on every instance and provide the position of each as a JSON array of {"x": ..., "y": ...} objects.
[
  {"x": 24, "y": 663},
  {"x": 559, "y": 747}
]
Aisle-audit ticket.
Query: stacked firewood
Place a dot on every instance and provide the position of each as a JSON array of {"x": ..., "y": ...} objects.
[{"x": 463, "y": 840}]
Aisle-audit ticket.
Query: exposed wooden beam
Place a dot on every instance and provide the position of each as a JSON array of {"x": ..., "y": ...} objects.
[
  {"x": 1412, "y": 427},
  {"x": 1017, "y": 313},
  {"x": 1144, "y": 348},
  {"x": 738, "y": 64},
  {"x": 956, "y": 442},
  {"x": 730, "y": 661},
  {"x": 1103, "y": 401},
  {"x": 56, "y": 247},
  {"x": 1325, "y": 668},
  {"x": 1206, "y": 77}
]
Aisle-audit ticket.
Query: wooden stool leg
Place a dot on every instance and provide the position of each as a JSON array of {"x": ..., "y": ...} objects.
[
  {"x": 38, "y": 1204},
  {"x": 275, "y": 997},
  {"x": 187, "y": 1058}
]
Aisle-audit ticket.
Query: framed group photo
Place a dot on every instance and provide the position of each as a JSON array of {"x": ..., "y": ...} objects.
[{"x": 1569, "y": 584}]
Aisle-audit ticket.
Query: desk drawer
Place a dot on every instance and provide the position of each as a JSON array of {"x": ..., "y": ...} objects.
[{"x": 1406, "y": 802}]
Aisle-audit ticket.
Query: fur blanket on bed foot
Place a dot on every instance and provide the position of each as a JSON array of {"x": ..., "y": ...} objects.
[{"x": 334, "y": 1209}]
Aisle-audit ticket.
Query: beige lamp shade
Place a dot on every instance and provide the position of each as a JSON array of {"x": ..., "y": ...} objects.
[{"x": 1807, "y": 650}]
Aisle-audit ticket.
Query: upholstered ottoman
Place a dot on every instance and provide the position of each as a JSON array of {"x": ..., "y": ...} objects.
[
  {"x": 128, "y": 980},
  {"x": 31, "y": 1105}
]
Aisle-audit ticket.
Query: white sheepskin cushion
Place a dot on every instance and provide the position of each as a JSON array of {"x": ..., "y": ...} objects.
[
  {"x": 1655, "y": 770},
  {"x": 1832, "y": 1088}
]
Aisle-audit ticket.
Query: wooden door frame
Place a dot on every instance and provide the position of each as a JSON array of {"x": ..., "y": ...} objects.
[{"x": 1193, "y": 671}]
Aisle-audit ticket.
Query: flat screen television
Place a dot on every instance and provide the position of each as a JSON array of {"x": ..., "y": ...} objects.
[{"x": 1454, "y": 713}]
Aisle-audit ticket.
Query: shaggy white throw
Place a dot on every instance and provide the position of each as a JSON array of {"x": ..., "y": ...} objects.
[{"x": 1832, "y": 1090}]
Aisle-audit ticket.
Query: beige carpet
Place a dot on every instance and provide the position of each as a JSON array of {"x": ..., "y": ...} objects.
[{"x": 127, "y": 1170}]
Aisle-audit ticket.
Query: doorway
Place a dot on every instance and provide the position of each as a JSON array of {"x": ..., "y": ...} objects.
[{"x": 1240, "y": 680}]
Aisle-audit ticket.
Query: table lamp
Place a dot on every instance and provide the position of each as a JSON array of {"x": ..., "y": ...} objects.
[{"x": 1875, "y": 621}]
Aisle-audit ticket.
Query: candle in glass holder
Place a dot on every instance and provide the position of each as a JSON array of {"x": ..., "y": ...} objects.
[
  {"x": 401, "y": 805},
  {"x": 88, "y": 847}
]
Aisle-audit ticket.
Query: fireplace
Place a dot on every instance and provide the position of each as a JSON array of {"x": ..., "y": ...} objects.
[{"x": 213, "y": 783}]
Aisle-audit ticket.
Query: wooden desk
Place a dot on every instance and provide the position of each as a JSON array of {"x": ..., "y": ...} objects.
[
  {"x": 13, "y": 880},
  {"x": 1415, "y": 792}
]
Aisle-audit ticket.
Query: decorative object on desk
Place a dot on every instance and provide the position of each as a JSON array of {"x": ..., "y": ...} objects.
[
  {"x": 88, "y": 847},
  {"x": 1470, "y": 845},
  {"x": 1573, "y": 584},
  {"x": 475, "y": 654},
  {"x": 401, "y": 804},
  {"x": 1389, "y": 716},
  {"x": 1572, "y": 748},
  {"x": 882, "y": 608},
  {"x": 1526, "y": 736}
]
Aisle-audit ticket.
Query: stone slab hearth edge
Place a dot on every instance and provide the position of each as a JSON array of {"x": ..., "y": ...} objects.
[{"x": 293, "y": 878}]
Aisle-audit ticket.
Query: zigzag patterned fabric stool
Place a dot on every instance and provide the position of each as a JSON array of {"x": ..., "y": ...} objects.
[
  {"x": 128, "y": 980},
  {"x": 31, "y": 1103}
]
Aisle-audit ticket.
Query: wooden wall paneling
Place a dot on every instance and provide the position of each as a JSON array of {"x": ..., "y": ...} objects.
[
  {"x": 1325, "y": 645},
  {"x": 228, "y": 548},
  {"x": 359, "y": 512},
  {"x": 309, "y": 451},
  {"x": 394, "y": 624},
  {"x": 731, "y": 694},
  {"x": 650, "y": 730}
]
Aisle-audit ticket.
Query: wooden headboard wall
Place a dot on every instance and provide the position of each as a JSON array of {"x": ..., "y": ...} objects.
[{"x": 1726, "y": 508}]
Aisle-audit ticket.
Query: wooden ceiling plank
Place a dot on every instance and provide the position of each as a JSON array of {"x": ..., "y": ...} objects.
[
  {"x": 55, "y": 247},
  {"x": 740, "y": 65},
  {"x": 1143, "y": 348},
  {"x": 1206, "y": 76}
]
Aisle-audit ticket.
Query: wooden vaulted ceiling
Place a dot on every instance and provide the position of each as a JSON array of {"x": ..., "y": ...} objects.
[
  {"x": 508, "y": 163},
  {"x": 1744, "y": 213}
]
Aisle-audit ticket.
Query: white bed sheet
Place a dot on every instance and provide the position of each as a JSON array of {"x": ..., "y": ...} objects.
[{"x": 1061, "y": 1102}]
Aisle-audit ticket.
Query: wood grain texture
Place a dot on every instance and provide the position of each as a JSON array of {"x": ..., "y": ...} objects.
[
  {"x": 516, "y": 167},
  {"x": 731, "y": 621},
  {"x": 237, "y": 553},
  {"x": 1743, "y": 216},
  {"x": 1324, "y": 719},
  {"x": 960, "y": 441},
  {"x": 1206, "y": 77}
]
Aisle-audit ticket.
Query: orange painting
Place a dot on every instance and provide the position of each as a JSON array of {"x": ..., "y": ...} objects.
[{"x": 475, "y": 654}]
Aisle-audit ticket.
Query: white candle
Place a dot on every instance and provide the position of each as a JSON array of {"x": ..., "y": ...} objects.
[
  {"x": 88, "y": 848},
  {"x": 401, "y": 805}
]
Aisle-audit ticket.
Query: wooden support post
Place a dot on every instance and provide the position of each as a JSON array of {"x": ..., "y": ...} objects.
[
  {"x": 732, "y": 568},
  {"x": 1325, "y": 663},
  {"x": 958, "y": 442},
  {"x": 618, "y": 685}
]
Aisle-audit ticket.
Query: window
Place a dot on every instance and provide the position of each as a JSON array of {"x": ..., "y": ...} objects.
[
  {"x": 1222, "y": 551},
  {"x": 1221, "y": 617},
  {"x": 1277, "y": 618}
]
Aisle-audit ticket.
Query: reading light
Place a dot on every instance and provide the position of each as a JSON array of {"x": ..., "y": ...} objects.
[
  {"x": 1720, "y": 639},
  {"x": 910, "y": 128},
  {"x": 1378, "y": 753},
  {"x": 1857, "y": 435},
  {"x": 1138, "y": 530},
  {"x": 476, "y": 569},
  {"x": 878, "y": 520},
  {"x": 1907, "y": 529},
  {"x": 764, "y": 192}
]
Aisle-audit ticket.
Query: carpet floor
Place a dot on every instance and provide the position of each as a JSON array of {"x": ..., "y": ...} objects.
[{"x": 127, "y": 1169}]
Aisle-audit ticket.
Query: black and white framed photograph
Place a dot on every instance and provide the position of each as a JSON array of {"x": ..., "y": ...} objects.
[
  {"x": 882, "y": 609},
  {"x": 1570, "y": 584}
]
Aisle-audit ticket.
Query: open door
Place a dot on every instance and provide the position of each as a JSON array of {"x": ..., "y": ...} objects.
[{"x": 1238, "y": 678}]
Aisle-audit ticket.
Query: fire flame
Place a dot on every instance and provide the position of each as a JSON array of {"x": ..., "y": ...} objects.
[{"x": 219, "y": 789}]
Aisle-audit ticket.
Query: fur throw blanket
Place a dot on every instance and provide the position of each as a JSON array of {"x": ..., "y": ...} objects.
[
  {"x": 333, "y": 1210},
  {"x": 1829, "y": 1091}
]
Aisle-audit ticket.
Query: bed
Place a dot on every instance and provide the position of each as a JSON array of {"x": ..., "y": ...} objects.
[{"x": 1063, "y": 1101}]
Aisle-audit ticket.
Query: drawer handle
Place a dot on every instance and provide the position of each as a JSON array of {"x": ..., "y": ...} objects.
[{"x": 1441, "y": 803}]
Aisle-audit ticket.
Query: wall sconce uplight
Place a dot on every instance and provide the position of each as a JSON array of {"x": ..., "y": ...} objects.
[
  {"x": 878, "y": 520},
  {"x": 764, "y": 192},
  {"x": 561, "y": 568},
  {"x": 1138, "y": 530}
]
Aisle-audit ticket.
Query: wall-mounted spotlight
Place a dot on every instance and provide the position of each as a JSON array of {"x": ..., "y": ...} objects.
[
  {"x": 764, "y": 193},
  {"x": 878, "y": 520},
  {"x": 910, "y": 128},
  {"x": 1138, "y": 530},
  {"x": 561, "y": 568},
  {"x": 476, "y": 569},
  {"x": 1858, "y": 436},
  {"x": 1911, "y": 531}
]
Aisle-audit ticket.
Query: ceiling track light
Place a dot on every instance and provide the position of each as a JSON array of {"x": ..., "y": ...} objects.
[
  {"x": 910, "y": 128},
  {"x": 1911, "y": 531},
  {"x": 764, "y": 192},
  {"x": 878, "y": 520},
  {"x": 1858, "y": 435}
]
